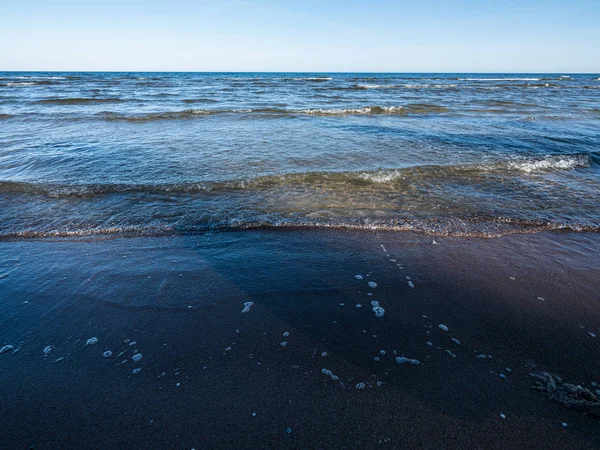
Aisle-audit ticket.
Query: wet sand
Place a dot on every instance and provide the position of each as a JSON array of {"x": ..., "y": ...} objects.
[{"x": 492, "y": 310}]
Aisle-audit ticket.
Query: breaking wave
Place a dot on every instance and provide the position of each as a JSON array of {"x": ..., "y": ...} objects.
[
  {"x": 192, "y": 113},
  {"x": 357, "y": 179}
]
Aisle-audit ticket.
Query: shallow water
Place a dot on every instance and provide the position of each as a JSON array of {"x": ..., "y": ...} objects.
[{"x": 164, "y": 153}]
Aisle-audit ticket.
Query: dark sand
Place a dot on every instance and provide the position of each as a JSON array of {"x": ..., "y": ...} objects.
[{"x": 180, "y": 299}]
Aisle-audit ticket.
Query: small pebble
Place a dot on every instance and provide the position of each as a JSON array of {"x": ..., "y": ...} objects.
[
  {"x": 136, "y": 371},
  {"x": 443, "y": 327},
  {"x": 284, "y": 344},
  {"x": 502, "y": 416},
  {"x": 360, "y": 386},
  {"x": 358, "y": 277},
  {"x": 92, "y": 341},
  {"x": 372, "y": 284},
  {"x": 137, "y": 357},
  {"x": 564, "y": 424},
  {"x": 107, "y": 354}
]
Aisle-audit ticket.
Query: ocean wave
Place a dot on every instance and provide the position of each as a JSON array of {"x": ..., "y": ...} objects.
[
  {"x": 475, "y": 226},
  {"x": 78, "y": 101},
  {"x": 499, "y": 79},
  {"x": 349, "y": 179},
  {"x": 366, "y": 110}
]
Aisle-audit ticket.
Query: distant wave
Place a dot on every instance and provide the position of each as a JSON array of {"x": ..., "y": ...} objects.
[
  {"x": 78, "y": 101},
  {"x": 499, "y": 79},
  {"x": 191, "y": 113},
  {"x": 30, "y": 83}
]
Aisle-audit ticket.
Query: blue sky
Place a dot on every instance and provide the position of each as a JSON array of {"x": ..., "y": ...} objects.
[{"x": 308, "y": 35}]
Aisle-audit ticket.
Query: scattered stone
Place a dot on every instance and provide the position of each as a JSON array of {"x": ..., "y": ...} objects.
[
  {"x": 502, "y": 416},
  {"x": 107, "y": 354},
  {"x": 92, "y": 341},
  {"x": 286, "y": 334},
  {"x": 132, "y": 343},
  {"x": 47, "y": 350},
  {"x": 288, "y": 430},
  {"x": 137, "y": 357},
  {"x": 429, "y": 344},
  {"x": 411, "y": 284},
  {"x": 358, "y": 277},
  {"x": 361, "y": 386},
  {"x": 403, "y": 360},
  {"x": 324, "y": 354},
  {"x": 284, "y": 344},
  {"x": 358, "y": 305},
  {"x": 564, "y": 424},
  {"x": 136, "y": 371},
  {"x": 443, "y": 327},
  {"x": 247, "y": 307},
  {"x": 502, "y": 376},
  {"x": 372, "y": 284},
  {"x": 450, "y": 353},
  {"x": 456, "y": 341}
]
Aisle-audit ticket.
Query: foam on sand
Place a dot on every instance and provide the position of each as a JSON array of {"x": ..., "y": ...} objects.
[{"x": 403, "y": 360}]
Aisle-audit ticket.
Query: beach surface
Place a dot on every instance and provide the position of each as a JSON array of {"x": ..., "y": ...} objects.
[{"x": 270, "y": 339}]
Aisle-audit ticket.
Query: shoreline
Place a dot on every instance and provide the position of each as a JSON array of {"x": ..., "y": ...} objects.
[{"x": 527, "y": 300}]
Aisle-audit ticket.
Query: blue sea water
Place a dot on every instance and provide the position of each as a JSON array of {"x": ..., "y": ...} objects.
[{"x": 90, "y": 154}]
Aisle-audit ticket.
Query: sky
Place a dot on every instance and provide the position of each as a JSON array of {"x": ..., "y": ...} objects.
[{"x": 305, "y": 36}]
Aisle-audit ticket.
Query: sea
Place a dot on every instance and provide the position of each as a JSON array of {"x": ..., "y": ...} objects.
[{"x": 86, "y": 154}]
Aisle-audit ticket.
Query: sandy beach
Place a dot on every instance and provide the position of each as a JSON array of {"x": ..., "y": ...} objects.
[{"x": 266, "y": 339}]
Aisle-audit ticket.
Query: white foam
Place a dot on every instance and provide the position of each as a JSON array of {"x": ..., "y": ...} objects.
[
  {"x": 330, "y": 374},
  {"x": 555, "y": 162},
  {"x": 48, "y": 349},
  {"x": 6, "y": 348},
  {"x": 247, "y": 307},
  {"x": 92, "y": 341},
  {"x": 403, "y": 360}
]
